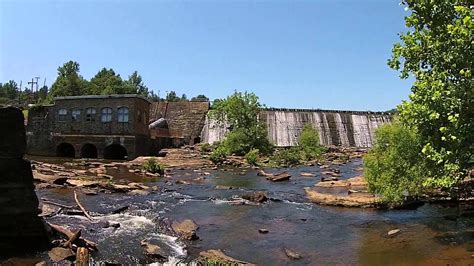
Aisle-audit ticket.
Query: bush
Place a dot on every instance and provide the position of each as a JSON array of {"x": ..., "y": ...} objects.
[
  {"x": 153, "y": 166},
  {"x": 288, "y": 157},
  {"x": 309, "y": 143},
  {"x": 395, "y": 167},
  {"x": 205, "y": 147},
  {"x": 252, "y": 157},
  {"x": 218, "y": 155}
]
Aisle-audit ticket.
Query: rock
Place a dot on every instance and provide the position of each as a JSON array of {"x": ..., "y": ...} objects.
[
  {"x": 89, "y": 192},
  {"x": 353, "y": 200},
  {"x": 307, "y": 174},
  {"x": 263, "y": 231},
  {"x": 262, "y": 173},
  {"x": 182, "y": 182},
  {"x": 83, "y": 183},
  {"x": 186, "y": 229},
  {"x": 217, "y": 257},
  {"x": 258, "y": 196},
  {"x": 153, "y": 250},
  {"x": 279, "y": 177},
  {"x": 393, "y": 233},
  {"x": 59, "y": 254},
  {"x": 109, "y": 177},
  {"x": 108, "y": 224},
  {"x": 292, "y": 254},
  {"x": 138, "y": 192},
  {"x": 223, "y": 187}
]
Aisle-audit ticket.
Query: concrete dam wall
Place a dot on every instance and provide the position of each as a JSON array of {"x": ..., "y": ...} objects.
[{"x": 339, "y": 128}]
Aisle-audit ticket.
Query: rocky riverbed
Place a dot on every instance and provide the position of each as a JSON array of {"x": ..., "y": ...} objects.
[{"x": 234, "y": 213}]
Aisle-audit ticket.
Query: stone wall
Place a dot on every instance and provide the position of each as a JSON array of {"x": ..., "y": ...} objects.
[
  {"x": 21, "y": 230},
  {"x": 185, "y": 120}
]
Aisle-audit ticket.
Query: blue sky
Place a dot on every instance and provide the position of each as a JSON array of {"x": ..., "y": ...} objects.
[{"x": 325, "y": 54}]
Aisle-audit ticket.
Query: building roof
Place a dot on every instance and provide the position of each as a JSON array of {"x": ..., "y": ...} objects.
[{"x": 113, "y": 96}]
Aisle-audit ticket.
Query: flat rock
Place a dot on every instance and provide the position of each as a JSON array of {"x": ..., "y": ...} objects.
[
  {"x": 186, "y": 229},
  {"x": 263, "y": 231},
  {"x": 393, "y": 233},
  {"x": 292, "y": 254},
  {"x": 353, "y": 200},
  {"x": 305, "y": 174},
  {"x": 217, "y": 257},
  {"x": 138, "y": 192},
  {"x": 58, "y": 254},
  {"x": 152, "y": 250},
  {"x": 83, "y": 183},
  {"x": 279, "y": 177}
]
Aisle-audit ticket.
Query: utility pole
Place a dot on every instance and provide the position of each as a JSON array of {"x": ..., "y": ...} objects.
[
  {"x": 19, "y": 92},
  {"x": 37, "y": 78},
  {"x": 32, "y": 83}
]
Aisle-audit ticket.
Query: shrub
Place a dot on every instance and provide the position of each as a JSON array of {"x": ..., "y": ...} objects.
[
  {"x": 395, "y": 167},
  {"x": 252, "y": 157},
  {"x": 218, "y": 155},
  {"x": 205, "y": 147},
  {"x": 309, "y": 143},
  {"x": 153, "y": 166},
  {"x": 288, "y": 157}
]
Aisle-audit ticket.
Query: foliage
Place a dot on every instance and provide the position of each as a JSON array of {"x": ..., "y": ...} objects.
[
  {"x": 309, "y": 143},
  {"x": 135, "y": 85},
  {"x": 106, "y": 82},
  {"x": 68, "y": 82},
  {"x": 437, "y": 52},
  {"x": 240, "y": 111},
  {"x": 153, "y": 166},
  {"x": 252, "y": 157},
  {"x": 200, "y": 98},
  {"x": 205, "y": 147},
  {"x": 394, "y": 167},
  {"x": 9, "y": 90},
  {"x": 218, "y": 155},
  {"x": 288, "y": 157}
]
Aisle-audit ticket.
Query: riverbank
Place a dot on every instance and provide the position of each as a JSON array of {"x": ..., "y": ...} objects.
[{"x": 240, "y": 215}]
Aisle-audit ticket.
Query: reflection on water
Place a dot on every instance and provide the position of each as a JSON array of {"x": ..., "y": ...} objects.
[{"x": 430, "y": 235}]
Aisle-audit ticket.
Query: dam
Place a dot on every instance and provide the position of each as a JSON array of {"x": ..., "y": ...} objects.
[{"x": 338, "y": 128}]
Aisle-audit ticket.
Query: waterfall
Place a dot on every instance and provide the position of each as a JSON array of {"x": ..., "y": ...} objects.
[{"x": 339, "y": 128}]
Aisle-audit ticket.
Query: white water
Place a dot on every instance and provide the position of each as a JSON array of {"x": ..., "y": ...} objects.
[{"x": 347, "y": 129}]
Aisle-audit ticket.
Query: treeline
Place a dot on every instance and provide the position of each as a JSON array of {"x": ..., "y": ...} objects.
[{"x": 69, "y": 82}]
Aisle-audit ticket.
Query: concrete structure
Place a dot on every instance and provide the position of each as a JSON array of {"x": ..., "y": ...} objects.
[
  {"x": 93, "y": 126},
  {"x": 21, "y": 230}
]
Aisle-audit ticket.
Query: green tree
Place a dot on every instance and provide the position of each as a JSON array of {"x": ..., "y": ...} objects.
[
  {"x": 68, "y": 82},
  {"x": 241, "y": 111},
  {"x": 9, "y": 90},
  {"x": 309, "y": 142},
  {"x": 200, "y": 98},
  {"x": 437, "y": 52},
  {"x": 106, "y": 82},
  {"x": 135, "y": 85},
  {"x": 172, "y": 97},
  {"x": 395, "y": 167}
]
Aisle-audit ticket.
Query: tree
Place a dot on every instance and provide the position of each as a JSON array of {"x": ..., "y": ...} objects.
[
  {"x": 135, "y": 85},
  {"x": 172, "y": 97},
  {"x": 200, "y": 98},
  {"x": 437, "y": 52},
  {"x": 9, "y": 90},
  {"x": 106, "y": 82},
  {"x": 395, "y": 167},
  {"x": 184, "y": 98},
  {"x": 68, "y": 82},
  {"x": 309, "y": 142},
  {"x": 241, "y": 111}
]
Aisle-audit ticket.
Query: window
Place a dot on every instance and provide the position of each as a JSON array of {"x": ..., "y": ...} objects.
[
  {"x": 76, "y": 114},
  {"x": 139, "y": 116},
  {"x": 62, "y": 115},
  {"x": 122, "y": 115},
  {"x": 90, "y": 114},
  {"x": 106, "y": 115}
]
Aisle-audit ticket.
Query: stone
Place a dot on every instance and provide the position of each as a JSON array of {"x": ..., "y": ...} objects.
[
  {"x": 186, "y": 229},
  {"x": 12, "y": 133},
  {"x": 152, "y": 250},
  {"x": 307, "y": 174},
  {"x": 217, "y": 257},
  {"x": 393, "y": 232},
  {"x": 59, "y": 254},
  {"x": 279, "y": 177},
  {"x": 292, "y": 254},
  {"x": 263, "y": 231},
  {"x": 138, "y": 192},
  {"x": 258, "y": 197}
]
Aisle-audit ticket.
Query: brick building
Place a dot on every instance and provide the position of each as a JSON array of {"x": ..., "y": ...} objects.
[{"x": 92, "y": 126}]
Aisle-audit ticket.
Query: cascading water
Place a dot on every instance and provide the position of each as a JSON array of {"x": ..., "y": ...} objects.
[{"x": 349, "y": 129}]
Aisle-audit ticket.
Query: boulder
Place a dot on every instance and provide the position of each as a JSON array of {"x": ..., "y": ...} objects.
[
  {"x": 258, "y": 197},
  {"x": 307, "y": 174},
  {"x": 393, "y": 233},
  {"x": 152, "y": 250},
  {"x": 59, "y": 254},
  {"x": 186, "y": 229}
]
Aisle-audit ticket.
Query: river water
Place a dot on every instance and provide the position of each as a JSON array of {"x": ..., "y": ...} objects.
[{"x": 432, "y": 234}]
